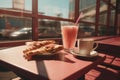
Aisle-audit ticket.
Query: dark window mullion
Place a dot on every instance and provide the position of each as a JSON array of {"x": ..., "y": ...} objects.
[
  {"x": 108, "y": 17},
  {"x": 97, "y": 17},
  {"x": 77, "y": 2},
  {"x": 35, "y": 20},
  {"x": 117, "y": 13}
]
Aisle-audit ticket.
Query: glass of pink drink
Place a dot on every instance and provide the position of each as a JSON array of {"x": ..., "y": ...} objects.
[{"x": 69, "y": 35}]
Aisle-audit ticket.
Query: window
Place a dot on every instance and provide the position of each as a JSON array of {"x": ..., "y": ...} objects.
[
  {"x": 86, "y": 30},
  {"x": 88, "y": 7},
  {"x": 102, "y": 30},
  {"x": 113, "y": 2},
  {"x": 103, "y": 13},
  {"x": 49, "y": 28},
  {"x": 59, "y": 8},
  {"x": 14, "y": 26},
  {"x": 28, "y": 5},
  {"x": 6, "y": 4},
  {"x": 112, "y": 17},
  {"x": 20, "y": 19}
]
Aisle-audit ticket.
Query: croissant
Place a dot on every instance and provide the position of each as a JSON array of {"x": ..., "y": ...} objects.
[
  {"x": 38, "y": 44},
  {"x": 43, "y": 47}
]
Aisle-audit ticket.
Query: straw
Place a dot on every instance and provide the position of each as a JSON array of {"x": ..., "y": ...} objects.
[{"x": 78, "y": 18}]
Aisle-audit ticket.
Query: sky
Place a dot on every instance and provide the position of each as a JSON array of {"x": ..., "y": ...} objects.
[{"x": 49, "y": 7}]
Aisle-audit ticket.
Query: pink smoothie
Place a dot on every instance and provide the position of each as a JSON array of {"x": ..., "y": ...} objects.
[{"x": 69, "y": 35}]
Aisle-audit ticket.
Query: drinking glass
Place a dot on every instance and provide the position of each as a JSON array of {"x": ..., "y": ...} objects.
[{"x": 69, "y": 35}]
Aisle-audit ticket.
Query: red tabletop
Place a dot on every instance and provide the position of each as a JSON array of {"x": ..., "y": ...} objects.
[
  {"x": 70, "y": 68},
  {"x": 111, "y": 41}
]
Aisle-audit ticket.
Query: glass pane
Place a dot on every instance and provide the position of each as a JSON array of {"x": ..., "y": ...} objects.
[
  {"x": 28, "y": 5},
  {"x": 118, "y": 24},
  {"x": 113, "y": 2},
  {"x": 88, "y": 7},
  {"x": 5, "y": 3},
  {"x": 49, "y": 28},
  {"x": 15, "y": 28},
  {"x": 86, "y": 30},
  {"x": 18, "y": 4},
  {"x": 102, "y": 30},
  {"x": 112, "y": 27},
  {"x": 57, "y": 8},
  {"x": 22, "y": 4},
  {"x": 112, "y": 17},
  {"x": 107, "y": 0},
  {"x": 52, "y": 29},
  {"x": 103, "y": 13}
]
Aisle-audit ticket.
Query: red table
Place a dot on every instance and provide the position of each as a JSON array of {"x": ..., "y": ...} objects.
[
  {"x": 115, "y": 41},
  {"x": 69, "y": 69}
]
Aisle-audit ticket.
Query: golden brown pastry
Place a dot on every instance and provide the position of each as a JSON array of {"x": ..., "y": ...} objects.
[
  {"x": 41, "y": 48},
  {"x": 38, "y": 44}
]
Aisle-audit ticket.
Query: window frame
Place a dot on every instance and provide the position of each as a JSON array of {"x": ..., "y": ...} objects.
[{"x": 35, "y": 16}]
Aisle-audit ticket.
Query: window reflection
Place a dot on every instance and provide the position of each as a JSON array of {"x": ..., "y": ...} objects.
[
  {"x": 12, "y": 26},
  {"x": 103, "y": 13},
  {"x": 15, "y": 28},
  {"x": 102, "y": 30},
  {"x": 22, "y": 33},
  {"x": 57, "y": 8},
  {"x": 112, "y": 17},
  {"x": 86, "y": 30},
  {"x": 6, "y": 4},
  {"x": 18, "y": 4},
  {"x": 49, "y": 28},
  {"x": 88, "y": 7},
  {"x": 113, "y": 2},
  {"x": 28, "y": 5}
]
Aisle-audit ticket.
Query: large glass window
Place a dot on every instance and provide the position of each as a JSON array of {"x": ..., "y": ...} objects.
[
  {"x": 59, "y": 8},
  {"x": 28, "y": 5},
  {"x": 86, "y": 30},
  {"x": 49, "y": 28},
  {"x": 88, "y": 7},
  {"x": 103, "y": 12},
  {"x": 15, "y": 26},
  {"x": 6, "y": 4},
  {"x": 112, "y": 17},
  {"x": 102, "y": 30},
  {"x": 16, "y": 18},
  {"x": 112, "y": 27},
  {"x": 113, "y": 2}
]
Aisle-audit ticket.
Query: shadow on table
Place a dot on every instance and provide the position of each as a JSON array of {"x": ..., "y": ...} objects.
[
  {"x": 58, "y": 57},
  {"x": 88, "y": 58},
  {"x": 41, "y": 65}
]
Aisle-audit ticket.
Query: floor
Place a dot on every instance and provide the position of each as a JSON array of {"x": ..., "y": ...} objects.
[
  {"x": 7, "y": 75},
  {"x": 98, "y": 73},
  {"x": 103, "y": 73}
]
